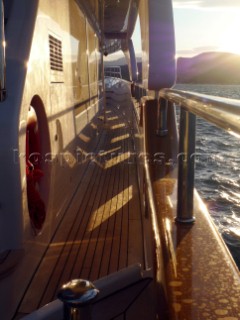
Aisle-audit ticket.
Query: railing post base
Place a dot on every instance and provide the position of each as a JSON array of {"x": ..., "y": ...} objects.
[
  {"x": 186, "y": 221},
  {"x": 161, "y": 133},
  {"x": 162, "y": 129}
]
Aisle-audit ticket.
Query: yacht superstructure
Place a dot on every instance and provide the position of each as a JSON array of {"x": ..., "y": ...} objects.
[{"x": 95, "y": 178}]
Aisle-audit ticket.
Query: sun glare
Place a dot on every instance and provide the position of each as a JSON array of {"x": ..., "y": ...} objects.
[{"x": 230, "y": 39}]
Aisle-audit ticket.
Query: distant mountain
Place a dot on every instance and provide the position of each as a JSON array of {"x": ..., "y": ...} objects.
[
  {"x": 120, "y": 61},
  {"x": 209, "y": 67}
]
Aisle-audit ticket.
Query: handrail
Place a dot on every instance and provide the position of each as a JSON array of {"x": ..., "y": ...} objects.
[
  {"x": 222, "y": 112},
  {"x": 179, "y": 246}
]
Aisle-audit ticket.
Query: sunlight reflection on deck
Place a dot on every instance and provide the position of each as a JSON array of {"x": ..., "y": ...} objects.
[
  {"x": 106, "y": 152},
  {"x": 119, "y": 138},
  {"x": 119, "y": 202},
  {"x": 119, "y": 158},
  {"x": 118, "y": 126},
  {"x": 84, "y": 138}
]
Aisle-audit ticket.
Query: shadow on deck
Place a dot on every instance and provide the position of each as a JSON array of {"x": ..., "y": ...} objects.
[{"x": 101, "y": 231}]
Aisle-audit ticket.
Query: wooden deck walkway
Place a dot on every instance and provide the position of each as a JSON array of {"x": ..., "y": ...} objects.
[{"x": 101, "y": 231}]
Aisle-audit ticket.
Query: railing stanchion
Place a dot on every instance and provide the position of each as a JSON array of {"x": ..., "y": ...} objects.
[
  {"x": 162, "y": 129},
  {"x": 104, "y": 91},
  {"x": 186, "y": 168}
]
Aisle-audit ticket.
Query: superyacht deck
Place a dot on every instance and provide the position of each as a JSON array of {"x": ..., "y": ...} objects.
[{"x": 101, "y": 231}]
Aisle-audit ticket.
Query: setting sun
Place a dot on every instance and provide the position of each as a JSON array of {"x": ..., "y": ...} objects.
[
  {"x": 207, "y": 28},
  {"x": 230, "y": 40}
]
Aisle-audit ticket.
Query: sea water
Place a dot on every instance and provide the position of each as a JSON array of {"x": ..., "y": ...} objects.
[{"x": 217, "y": 175}]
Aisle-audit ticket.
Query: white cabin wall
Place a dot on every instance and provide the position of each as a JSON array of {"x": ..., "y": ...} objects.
[
  {"x": 54, "y": 96},
  {"x": 64, "y": 101},
  {"x": 36, "y": 84},
  {"x": 79, "y": 50},
  {"x": 92, "y": 59},
  {"x": 67, "y": 103}
]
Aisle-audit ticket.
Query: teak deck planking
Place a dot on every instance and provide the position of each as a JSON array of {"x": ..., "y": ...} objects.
[{"x": 101, "y": 231}]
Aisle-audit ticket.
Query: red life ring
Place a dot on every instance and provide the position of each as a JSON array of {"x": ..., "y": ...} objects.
[{"x": 36, "y": 206}]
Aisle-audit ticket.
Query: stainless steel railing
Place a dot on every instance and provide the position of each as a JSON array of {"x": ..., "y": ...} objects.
[
  {"x": 222, "y": 112},
  {"x": 113, "y": 71}
]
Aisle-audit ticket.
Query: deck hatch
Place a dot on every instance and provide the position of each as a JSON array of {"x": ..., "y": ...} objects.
[{"x": 56, "y": 57}]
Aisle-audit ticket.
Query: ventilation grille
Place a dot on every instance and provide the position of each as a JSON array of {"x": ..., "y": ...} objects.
[{"x": 56, "y": 59}]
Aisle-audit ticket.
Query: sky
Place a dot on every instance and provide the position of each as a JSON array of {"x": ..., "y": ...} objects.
[{"x": 204, "y": 25}]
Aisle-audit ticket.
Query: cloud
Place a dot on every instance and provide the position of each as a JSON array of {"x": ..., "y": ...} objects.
[
  {"x": 185, "y": 53},
  {"x": 196, "y": 51},
  {"x": 205, "y": 4},
  {"x": 205, "y": 49},
  {"x": 187, "y": 4}
]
